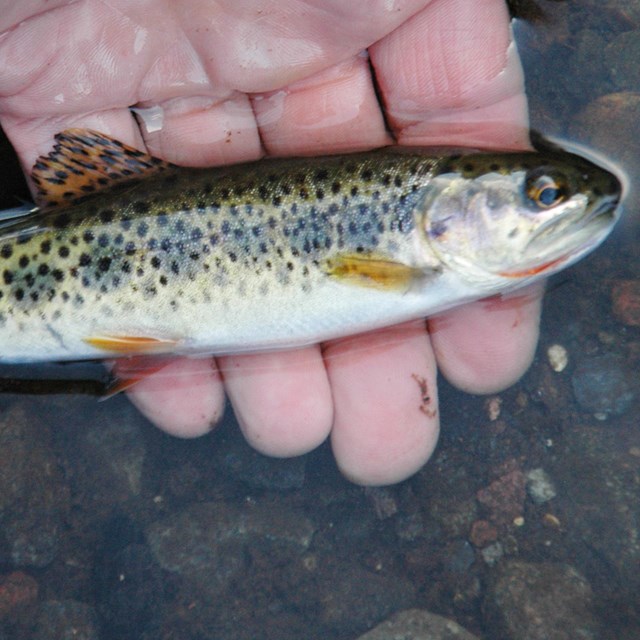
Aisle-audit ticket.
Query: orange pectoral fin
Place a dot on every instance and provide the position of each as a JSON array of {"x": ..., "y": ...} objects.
[
  {"x": 132, "y": 345},
  {"x": 377, "y": 272}
]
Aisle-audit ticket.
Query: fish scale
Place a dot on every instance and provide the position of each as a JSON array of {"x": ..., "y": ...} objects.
[{"x": 270, "y": 254}]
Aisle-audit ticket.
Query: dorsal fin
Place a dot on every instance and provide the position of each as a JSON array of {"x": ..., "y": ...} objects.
[{"x": 84, "y": 162}]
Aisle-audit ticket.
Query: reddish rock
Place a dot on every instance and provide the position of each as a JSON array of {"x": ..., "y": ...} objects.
[
  {"x": 482, "y": 533},
  {"x": 504, "y": 498},
  {"x": 16, "y": 589},
  {"x": 626, "y": 302}
]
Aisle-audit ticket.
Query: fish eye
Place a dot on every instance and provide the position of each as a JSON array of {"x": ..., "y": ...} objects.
[{"x": 546, "y": 188}]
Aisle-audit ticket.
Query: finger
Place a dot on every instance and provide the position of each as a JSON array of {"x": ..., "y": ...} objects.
[
  {"x": 185, "y": 398},
  {"x": 485, "y": 346},
  {"x": 385, "y": 397},
  {"x": 282, "y": 400},
  {"x": 334, "y": 110},
  {"x": 451, "y": 75}
]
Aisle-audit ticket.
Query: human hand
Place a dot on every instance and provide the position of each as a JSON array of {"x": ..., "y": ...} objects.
[{"x": 239, "y": 80}]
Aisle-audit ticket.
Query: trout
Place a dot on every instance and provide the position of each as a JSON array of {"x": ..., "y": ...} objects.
[{"x": 128, "y": 254}]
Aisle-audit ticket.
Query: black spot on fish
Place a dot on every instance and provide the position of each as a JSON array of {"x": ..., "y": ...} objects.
[
  {"x": 286, "y": 189},
  {"x": 24, "y": 261},
  {"x": 232, "y": 256},
  {"x": 84, "y": 260},
  {"x": 61, "y": 221},
  {"x": 34, "y": 296},
  {"x": 63, "y": 252},
  {"x": 88, "y": 236},
  {"x": 30, "y": 280},
  {"x": 7, "y": 276},
  {"x": 163, "y": 280},
  {"x": 142, "y": 229},
  {"x": 214, "y": 239},
  {"x": 303, "y": 193},
  {"x": 238, "y": 233},
  {"x": 175, "y": 268},
  {"x": 103, "y": 240},
  {"x": 65, "y": 296},
  {"x": 276, "y": 201},
  {"x": 126, "y": 267},
  {"x": 119, "y": 239},
  {"x": 104, "y": 263},
  {"x": 225, "y": 227},
  {"x": 130, "y": 248},
  {"x": 45, "y": 247},
  {"x": 319, "y": 194},
  {"x": 263, "y": 192},
  {"x": 156, "y": 262},
  {"x": 6, "y": 251},
  {"x": 354, "y": 191},
  {"x": 43, "y": 269},
  {"x": 19, "y": 294},
  {"x": 107, "y": 216},
  {"x": 196, "y": 234},
  {"x": 58, "y": 275},
  {"x": 397, "y": 181},
  {"x": 125, "y": 224}
]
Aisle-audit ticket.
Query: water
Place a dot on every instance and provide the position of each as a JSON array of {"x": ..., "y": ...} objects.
[{"x": 123, "y": 532}]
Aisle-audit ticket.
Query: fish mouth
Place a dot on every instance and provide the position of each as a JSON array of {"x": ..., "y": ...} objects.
[{"x": 564, "y": 241}]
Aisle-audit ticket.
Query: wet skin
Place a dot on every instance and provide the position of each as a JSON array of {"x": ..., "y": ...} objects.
[{"x": 446, "y": 76}]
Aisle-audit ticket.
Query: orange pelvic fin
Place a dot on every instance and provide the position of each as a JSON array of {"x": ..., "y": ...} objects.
[
  {"x": 131, "y": 371},
  {"x": 132, "y": 345}
]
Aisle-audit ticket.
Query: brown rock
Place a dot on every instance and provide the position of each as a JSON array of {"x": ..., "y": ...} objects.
[
  {"x": 16, "y": 590},
  {"x": 626, "y": 302}
]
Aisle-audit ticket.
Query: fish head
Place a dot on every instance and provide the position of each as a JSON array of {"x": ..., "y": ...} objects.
[{"x": 519, "y": 216}]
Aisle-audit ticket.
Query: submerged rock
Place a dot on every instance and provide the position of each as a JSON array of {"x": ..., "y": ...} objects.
[
  {"x": 33, "y": 495},
  {"x": 602, "y": 385},
  {"x": 416, "y": 624},
  {"x": 529, "y": 601}
]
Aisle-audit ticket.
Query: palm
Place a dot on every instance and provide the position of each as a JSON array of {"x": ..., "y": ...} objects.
[{"x": 239, "y": 80}]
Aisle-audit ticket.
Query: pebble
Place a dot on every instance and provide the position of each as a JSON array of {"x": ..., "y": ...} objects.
[
  {"x": 540, "y": 487},
  {"x": 558, "y": 357}
]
